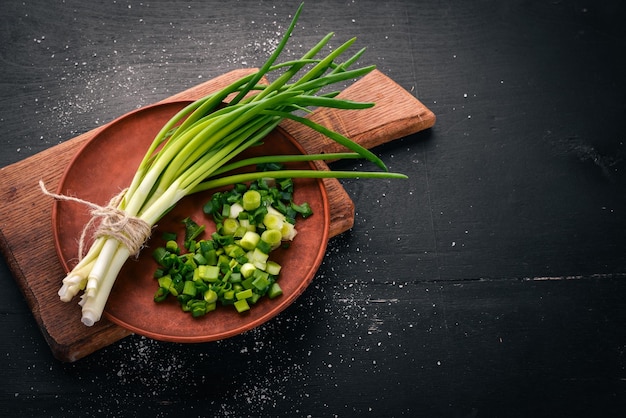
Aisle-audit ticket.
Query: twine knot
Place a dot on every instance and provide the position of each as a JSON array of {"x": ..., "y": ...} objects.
[{"x": 130, "y": 231}]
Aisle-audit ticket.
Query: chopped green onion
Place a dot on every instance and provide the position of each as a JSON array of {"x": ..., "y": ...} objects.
[
  {"x": 244, "y": 294},
  {"x": 242, "y": 305},
  {"x": 250, "y": 240},
  {"x": 222, "y": 270},
  {"x": 274, "y": 291},
  {"x": 251, "y": 200}
]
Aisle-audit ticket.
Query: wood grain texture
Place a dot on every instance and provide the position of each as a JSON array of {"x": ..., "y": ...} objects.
[{"x": 397, "y": 115}]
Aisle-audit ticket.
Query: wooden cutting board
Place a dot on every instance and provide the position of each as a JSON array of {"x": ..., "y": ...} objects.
[{"x": 25, "y": 216}]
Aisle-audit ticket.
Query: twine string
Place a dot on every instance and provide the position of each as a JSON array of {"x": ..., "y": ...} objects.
[{"x": 130, "y": 231}]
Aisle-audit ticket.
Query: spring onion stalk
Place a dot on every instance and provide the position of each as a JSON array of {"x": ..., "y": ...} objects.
[{"x": 195, "y": 149}]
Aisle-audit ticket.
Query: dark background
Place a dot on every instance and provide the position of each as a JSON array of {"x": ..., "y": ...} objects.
[{"x": 490, "y": 284}]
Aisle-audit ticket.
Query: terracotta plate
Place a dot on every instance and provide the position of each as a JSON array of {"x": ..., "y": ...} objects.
[{"x": 106, "y": 164}]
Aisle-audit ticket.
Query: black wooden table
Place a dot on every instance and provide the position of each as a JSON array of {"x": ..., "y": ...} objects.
[{"x": 491, "y": 283}]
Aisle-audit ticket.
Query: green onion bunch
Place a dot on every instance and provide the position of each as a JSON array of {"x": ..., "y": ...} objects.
[{"x": 195, "y": 149}]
